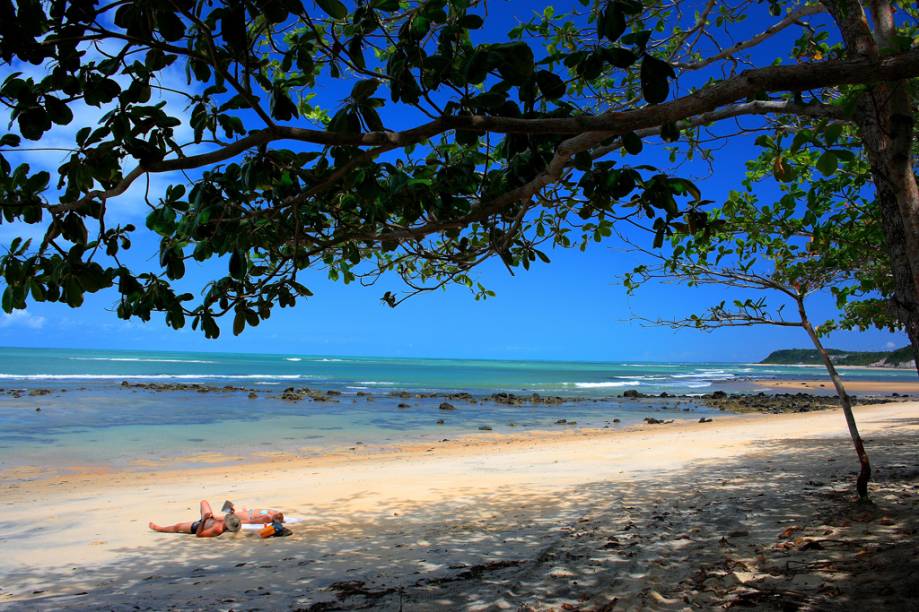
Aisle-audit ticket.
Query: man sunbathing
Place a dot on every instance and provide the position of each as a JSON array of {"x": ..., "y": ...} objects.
[{"x": 208, "y": 526}]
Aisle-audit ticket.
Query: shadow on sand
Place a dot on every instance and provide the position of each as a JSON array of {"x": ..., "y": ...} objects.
[{"x": 768, "y": 531}]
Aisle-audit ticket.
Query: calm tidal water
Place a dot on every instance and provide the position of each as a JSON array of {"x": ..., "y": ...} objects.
[{"x": 87, "y": 417}]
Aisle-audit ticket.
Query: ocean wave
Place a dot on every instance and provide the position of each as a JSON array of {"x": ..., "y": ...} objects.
[
  {"x": 140, "y": 359},
  {"x": 153, "y": 376},
  {"x": 293, "y": 358},
  {"x": 708, "y": 375},
  {"x": 375, "y": 382},
  {"x": 602, "y": 385},
  {"x": 642, "y": 377},
  {"x": 698, "y": 385},
  {"x": 329, "y": 360}
]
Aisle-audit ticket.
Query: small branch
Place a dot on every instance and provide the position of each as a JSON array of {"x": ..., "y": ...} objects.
[{"x": 791, "y": 18}]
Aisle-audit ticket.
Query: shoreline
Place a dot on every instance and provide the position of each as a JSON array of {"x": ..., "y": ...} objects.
[
  {"x": 859, "y": 386},
  {"x": 462, "y": 514}
]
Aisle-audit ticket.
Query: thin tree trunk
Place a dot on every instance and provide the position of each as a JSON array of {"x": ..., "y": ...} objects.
[{"x": 864, "y": 474}]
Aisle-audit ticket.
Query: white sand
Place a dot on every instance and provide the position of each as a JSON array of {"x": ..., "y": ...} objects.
[{"x": 580, "y": 519}]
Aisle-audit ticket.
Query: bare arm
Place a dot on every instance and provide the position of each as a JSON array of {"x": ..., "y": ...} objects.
[{"x": 206, "y": 514}]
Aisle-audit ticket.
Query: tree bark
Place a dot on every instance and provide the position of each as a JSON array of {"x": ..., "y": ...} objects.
[
  {"x": 864, "y": 474},
  {"x": 885, "y": 120}
]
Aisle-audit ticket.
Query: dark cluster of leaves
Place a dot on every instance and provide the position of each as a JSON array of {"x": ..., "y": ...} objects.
[{"x": 275, "y": 212}]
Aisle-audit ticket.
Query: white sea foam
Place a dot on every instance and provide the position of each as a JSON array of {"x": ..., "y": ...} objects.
[
  {"x": 708, "y": 375},
  {"x": 698, "y": 385},
  {"x": 375, "y": 382},
  {"x": 328, "y": 360},
  {"x": 602, "y": 385},
  {"x": 140, "y": 359},
  {"x": 293, "y": 358}
]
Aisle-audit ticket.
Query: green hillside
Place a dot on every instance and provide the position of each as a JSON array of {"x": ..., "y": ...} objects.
[{"x": 854, "y": 358}]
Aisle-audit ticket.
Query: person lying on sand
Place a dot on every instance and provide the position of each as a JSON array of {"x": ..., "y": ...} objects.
[
  {"x": 256, "y": 515},
  {"x": 208, "y": 526}
]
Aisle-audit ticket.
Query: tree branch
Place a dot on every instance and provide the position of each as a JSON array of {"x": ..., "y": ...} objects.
[{"x": 791, "y": 18}]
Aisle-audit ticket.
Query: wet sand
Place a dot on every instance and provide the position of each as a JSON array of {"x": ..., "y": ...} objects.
[
  {"x": 853, "y": 386},
  {"x": 753, "y": 510}
]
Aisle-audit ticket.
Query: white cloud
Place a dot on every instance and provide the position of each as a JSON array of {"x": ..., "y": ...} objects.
[
  {"x": 891, "y": 345},
  {"x": 22, "y": 318}
]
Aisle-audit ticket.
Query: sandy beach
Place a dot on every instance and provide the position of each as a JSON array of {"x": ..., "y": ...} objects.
[
  {"x": 749, "y": 509},
  {"x": 853, "y": 386}
]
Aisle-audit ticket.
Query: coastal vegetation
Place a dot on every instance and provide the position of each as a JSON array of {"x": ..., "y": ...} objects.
[
  {"x": 454, "y": 143},
  {"x": 890, "y": 359},
  {"x": 776, "y": 257}
]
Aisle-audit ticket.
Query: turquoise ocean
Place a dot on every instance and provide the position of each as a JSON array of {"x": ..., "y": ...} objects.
[{"x": 86, "y": 416}]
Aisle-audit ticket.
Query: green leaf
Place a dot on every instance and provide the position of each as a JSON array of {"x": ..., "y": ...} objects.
[
  {"x": 333, "y": 8},
  {"x": 239, "y": 323},
  {"x": 472, "y": 22},
  {"x": 364, "y": 89},
  {"x": 514, "y": 61},
  {"x": 631, "y": 142},
  {"x": 282, "y": 107},
  {"x": 832, "y": 133},
  {"x": 827, "y": 163},
  {"x": 33, "y": 123},
  {"x": 551, "y": 85},
  {"x": 654, "y": 74},
  {"x": 58, "y": 111},
  {"x": 233, "y": 28},
  {"x": 611, "y": 24},
  {"x": 169, "y": 25},
  {"x": 477, "y": 66},
  {"x": 238, "y": 265},
  {"x": 619, "y": 57},
  {"x": 591, "y": 67},
  {"x": 670, "y": 132}
]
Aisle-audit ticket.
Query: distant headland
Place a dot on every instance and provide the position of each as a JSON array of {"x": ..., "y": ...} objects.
[{"x": 900, "y": 358}]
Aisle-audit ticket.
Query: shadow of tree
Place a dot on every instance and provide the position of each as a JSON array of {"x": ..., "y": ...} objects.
[{"x": 775, "y": 529}]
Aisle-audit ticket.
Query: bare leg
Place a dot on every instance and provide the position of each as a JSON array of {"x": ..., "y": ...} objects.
[
  {"x": 177, "y": 528},
  {"x": 206, "y": 508}
]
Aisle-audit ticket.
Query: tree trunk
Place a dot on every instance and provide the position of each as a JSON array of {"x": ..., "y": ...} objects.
[
  {"x": 881, "y": 125},
  {"x": 885, "y": 120},
  {"x": 864, "y": 474}
]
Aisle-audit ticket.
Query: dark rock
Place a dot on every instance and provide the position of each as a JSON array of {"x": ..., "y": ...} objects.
[
  {"x": 404, "y": 405},
  {"x": 447, "y": 406},
  {"x": 632, "y": 393},
  {"x": 485, "y": 427},
  {"x": 440, "y": 421},
  {"x": 704, "y": 420}
]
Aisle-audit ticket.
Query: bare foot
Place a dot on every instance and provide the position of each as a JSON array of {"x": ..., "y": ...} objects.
[{"x": 153, "y": 526}]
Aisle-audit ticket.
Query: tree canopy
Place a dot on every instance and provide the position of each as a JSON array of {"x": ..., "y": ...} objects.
[{"x": 455, "y": 143}]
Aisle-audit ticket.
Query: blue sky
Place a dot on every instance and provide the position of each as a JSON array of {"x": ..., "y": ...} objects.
[{"x": 574, "y": 308}]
